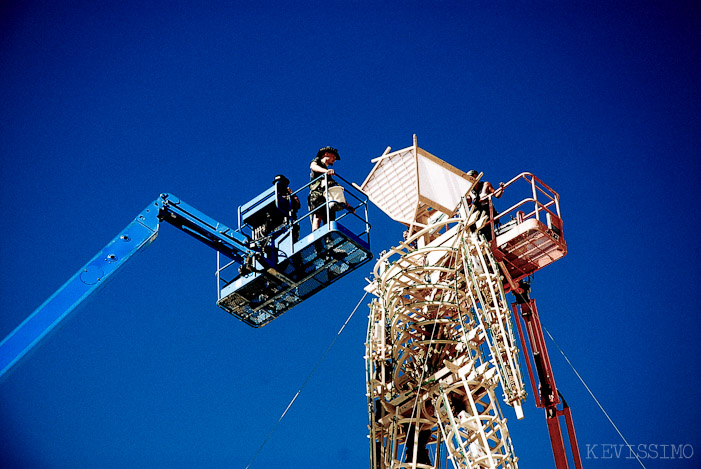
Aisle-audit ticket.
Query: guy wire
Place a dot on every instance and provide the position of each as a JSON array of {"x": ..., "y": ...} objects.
[
  {"x": 592, "y": 395},
  {"x": 306, "y": 381}
]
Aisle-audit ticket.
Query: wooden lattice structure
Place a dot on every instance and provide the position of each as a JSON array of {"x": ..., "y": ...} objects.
[{"x": 441, "y": 349}]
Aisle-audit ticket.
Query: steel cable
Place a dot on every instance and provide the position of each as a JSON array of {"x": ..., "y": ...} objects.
[
  {"x": 305, "y": 382},
  {"x": 592, "y": 395}
]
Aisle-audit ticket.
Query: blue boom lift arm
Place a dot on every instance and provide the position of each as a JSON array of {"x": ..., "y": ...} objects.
[
  {"x": 143, "y": 230},
  {"x": 140, "y": 233}
]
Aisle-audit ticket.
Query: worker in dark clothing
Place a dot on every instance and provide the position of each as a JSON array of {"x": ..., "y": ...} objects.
[
  {"x": 319, "y": 166},
  {"x": 291, "y": 204},
  {"x": 479, "y": 197}
]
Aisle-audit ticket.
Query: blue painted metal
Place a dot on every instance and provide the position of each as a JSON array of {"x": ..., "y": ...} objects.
[
  {"x": 44, "y": 320},
  {"x": 93, "y": 275},
  {"x": 317, "y": 261},
  {"x": 285, "y": 271},
  {"x": 300, "y": 267},
  {"x": 268, "y": 204},
  {"x": 203, "y": 228}
]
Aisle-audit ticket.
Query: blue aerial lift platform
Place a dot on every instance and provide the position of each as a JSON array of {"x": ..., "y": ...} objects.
[
  {"x": 293, "y": 267},
  {"x": 264, "y": 266}
]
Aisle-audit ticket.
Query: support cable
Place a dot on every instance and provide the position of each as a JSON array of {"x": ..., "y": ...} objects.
[
  {"x": 593, "y": 397},
  {"x": 306, "y": 381}
]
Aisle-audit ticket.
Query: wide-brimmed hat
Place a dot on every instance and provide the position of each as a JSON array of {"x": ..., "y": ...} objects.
[{"x": 331, "y": 150}]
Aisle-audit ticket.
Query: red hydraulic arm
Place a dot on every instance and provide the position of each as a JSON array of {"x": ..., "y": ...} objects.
[{"x": 547, "y": 395}]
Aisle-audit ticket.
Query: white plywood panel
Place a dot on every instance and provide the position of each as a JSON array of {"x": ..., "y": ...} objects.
[
  {"x": 408, "y": 183},
  {"x": 392, "y": 185},
  {"x": 441, "y": 184}
]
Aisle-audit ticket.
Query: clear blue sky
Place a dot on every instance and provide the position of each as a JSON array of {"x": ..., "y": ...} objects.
[{"x": 104, "y": 105}]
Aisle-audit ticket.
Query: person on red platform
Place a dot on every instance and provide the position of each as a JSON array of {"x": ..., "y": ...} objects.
[{"x": 479, "y": 197}]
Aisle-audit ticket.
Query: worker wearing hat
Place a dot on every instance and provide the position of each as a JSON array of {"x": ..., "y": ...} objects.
[{"x": 319, "y": 166}]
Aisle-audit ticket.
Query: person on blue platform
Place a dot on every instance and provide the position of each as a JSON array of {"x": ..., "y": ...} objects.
[{"x": 319, "y": 166}]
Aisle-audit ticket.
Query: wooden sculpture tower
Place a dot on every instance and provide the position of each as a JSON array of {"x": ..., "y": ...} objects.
[{"x": 441, "y": 350}]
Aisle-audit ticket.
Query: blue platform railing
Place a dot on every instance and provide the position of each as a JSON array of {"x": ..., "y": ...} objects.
[{"x": 305, "y": 261}]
